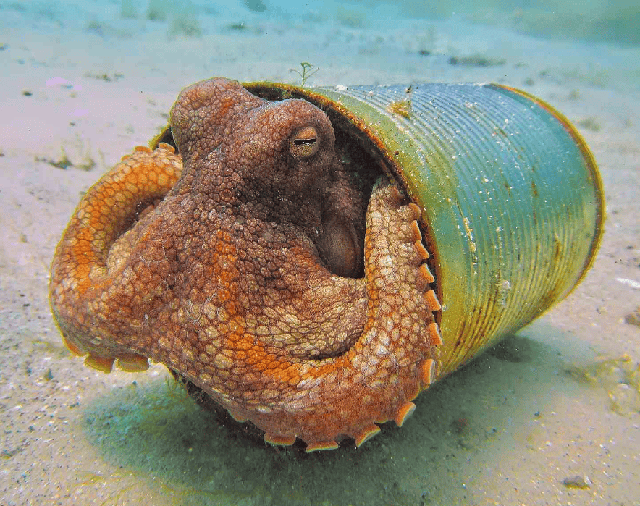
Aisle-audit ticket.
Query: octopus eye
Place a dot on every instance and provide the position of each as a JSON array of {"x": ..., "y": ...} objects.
[{"x": 304, "y": 143}]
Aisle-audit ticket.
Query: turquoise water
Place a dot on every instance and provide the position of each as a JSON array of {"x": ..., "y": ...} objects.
[
  {"x": 83, "y": 82},
  {"x": 594, "y": 20}
]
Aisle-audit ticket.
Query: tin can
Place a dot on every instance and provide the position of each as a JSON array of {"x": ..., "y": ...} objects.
[{"x": 512, "y": 202}]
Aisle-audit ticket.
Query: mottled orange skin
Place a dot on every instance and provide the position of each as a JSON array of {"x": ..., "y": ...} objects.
[{"x": 237, "y": 263}]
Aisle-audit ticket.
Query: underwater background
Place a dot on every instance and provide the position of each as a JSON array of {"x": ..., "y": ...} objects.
[{"x": 551, "y": 416}]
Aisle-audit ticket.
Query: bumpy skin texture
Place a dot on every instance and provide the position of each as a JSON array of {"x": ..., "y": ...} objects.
[{"x": 238, "y": 264}]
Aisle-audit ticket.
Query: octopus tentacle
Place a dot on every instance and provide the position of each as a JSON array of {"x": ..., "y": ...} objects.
[{"x": 81, "y": 269}]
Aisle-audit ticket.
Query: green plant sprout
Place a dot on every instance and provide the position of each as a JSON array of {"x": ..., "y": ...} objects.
[{"x": 307, "y": 70}]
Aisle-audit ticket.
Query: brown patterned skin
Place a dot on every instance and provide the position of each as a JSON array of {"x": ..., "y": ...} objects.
[{"x": 238, "y": 264}]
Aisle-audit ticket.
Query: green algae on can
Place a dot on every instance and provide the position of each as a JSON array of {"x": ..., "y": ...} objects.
[{"x": 512, "y": 201}]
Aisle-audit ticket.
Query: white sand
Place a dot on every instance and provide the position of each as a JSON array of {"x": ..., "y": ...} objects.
[{"x": 497, "y": 432}]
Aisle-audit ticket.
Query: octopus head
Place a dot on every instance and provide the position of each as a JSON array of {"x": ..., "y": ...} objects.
[{"x": 272, "y": 161}]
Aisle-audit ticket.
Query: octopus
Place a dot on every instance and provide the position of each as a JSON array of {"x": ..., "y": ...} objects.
[{"x": 245, "y": 258}]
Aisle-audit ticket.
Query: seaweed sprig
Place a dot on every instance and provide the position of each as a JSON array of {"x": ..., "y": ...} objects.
[{"x": 306, "y": 71}]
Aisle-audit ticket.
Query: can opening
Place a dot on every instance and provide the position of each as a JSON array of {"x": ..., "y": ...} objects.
[{"x": 361, "y": 155}]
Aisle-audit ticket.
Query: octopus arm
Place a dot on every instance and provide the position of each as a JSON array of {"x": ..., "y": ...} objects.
[{"x": 94, "y": 246}]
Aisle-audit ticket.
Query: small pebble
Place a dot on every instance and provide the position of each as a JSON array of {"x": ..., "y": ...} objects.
[
  {"x": 582, "y": 482},
  {"x": 633, "y": 318}
]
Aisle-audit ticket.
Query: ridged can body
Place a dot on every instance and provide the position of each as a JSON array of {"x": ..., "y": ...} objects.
[{"x": 512, "y": 202}]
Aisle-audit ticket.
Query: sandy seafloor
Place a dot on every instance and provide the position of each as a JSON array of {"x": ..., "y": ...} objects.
[{"x": 80, "y": 87}]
